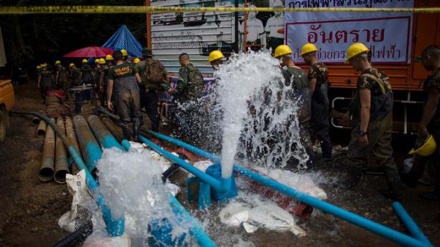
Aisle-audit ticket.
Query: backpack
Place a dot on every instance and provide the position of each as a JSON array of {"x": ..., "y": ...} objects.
[
  {"x": 154, "y": 71},
  {"x": 87, "y": 76}
]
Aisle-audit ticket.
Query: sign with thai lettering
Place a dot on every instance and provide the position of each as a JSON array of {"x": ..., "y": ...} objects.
[{"x": 387, "y": 34}]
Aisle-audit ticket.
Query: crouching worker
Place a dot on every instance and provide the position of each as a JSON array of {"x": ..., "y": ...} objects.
[{"x": 122, "y": 85}]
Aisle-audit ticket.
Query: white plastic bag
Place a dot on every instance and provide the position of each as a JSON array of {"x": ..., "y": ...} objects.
[
  {"x": 100, "y": 238},
  {"x": 79, "y": 214}
]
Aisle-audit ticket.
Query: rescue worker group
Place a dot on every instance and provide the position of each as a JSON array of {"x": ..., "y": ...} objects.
[{"x": 125, "y": 86}]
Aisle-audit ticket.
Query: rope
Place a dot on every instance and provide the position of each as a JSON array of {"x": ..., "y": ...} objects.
[{"x": 25, "y": 10}]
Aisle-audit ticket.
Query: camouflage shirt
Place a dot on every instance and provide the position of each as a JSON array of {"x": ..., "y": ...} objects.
[
  {"x": 190, "y": 87},
  {"x": 367, "y": 81},
  {"x": 141, "y": 69},
  {"x": 433, "y": 81},
  {"x": 318, "y": 71}
]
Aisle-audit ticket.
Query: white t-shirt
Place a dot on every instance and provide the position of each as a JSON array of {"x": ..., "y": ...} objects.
[
  {"x": 254, "y": 28},
  {"x": 273, "y": 25}
]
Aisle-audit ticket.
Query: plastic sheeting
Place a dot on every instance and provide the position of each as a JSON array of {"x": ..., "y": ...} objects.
[{"x": 124, "y": 39}]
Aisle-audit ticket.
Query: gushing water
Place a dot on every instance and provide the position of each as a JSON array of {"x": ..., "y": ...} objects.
[
  {"x": 132, "y": 187},
  {"x": 259, "y": 113}
]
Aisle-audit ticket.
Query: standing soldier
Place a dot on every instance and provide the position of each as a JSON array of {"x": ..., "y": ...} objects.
[
  {"x": 103, "y": 79},
  {"x": 45, "y": 81},
  {"x": 371, "y": 109},
  {"x": 86, "y": 73},
  {"x": 60, "y": 75},
  {"x": 430, "y": 122},
  {"x": 122, "y": 82},
  {"x": 74, "y": 74},
  {"x": 96, "y": 75},
  {"x": 296, "y": 78},
  {"x": 319, "y": 84},
  {"x": 153, "y": 79},
  {"x": 188, "y": 91}
]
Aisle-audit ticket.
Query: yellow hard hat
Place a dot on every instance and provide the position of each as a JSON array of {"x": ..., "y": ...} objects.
[
  {"x": 307, "y": 48},
  {"x": 109, "y": 58},
  {"x": 71, "y": 65},
  {"x": 282, "y": 50},
  {"x": 215, "y": 55},
  {"x": 84, "y": 60},
  {"x": 57, "y": 62},
  {"x": 44, "y": 65},
  {"x": 38, "y": 67},
  {"x": 97, "y": 60},
  {"x": 101, "y": 61},
  {"x": 136, "y": 60},
  {"x": 427, "y": 148},
  {"x": 354, "y": 50},
  {"x": 124, "y": 52}
]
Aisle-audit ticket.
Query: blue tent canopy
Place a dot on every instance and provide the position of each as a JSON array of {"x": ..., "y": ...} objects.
[{"x": 124, "y": 39}]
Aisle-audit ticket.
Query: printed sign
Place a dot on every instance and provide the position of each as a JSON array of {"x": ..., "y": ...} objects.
[{"x": 386, "y": 34}]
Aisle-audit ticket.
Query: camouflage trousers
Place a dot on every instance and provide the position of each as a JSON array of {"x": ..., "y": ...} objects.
[{"x": 379, "y": 148}]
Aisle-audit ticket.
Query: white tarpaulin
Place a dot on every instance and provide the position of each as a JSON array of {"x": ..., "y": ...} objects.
[
  {"x": 387, "y": 34},
  {"x": 2, "y": 51}
]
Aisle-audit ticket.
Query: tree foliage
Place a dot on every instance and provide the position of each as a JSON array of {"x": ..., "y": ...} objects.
[{"x": 34, "y": 39}]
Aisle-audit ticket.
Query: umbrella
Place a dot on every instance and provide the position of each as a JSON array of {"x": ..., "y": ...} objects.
[{"x": 91, "y": 51}]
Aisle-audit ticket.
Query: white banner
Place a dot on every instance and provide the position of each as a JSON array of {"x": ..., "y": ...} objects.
[{"x": 387, "y": 34}]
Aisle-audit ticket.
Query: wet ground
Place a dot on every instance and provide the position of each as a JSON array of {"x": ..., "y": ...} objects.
[{"x": 31, "y": 208}]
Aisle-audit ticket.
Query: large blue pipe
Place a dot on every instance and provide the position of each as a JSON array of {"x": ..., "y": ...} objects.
[
  {"x": 410, "y": 224},
  {"x": 102, "y": 134},
  {"x": 309, "y": 200},
  {"x": 88, "y": 144},
  {"x": 113, "y": 227}
]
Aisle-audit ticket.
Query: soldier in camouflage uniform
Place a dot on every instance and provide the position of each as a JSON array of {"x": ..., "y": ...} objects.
[
  {"x": 45, "y": 81},
  {"x": 149, "y": 90},
  {"x": 61, "y": 75},
  {"x": 371, "y": 109},
  {"x": 319, "y": 83},
  {"x": 188, "y": 93},
  {"x": 430, "y": 122},
  {"x": 296, "y": 79}
]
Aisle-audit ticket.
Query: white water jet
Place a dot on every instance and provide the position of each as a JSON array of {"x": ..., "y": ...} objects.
[
  {"x": 259, "y": 113},
  {"x": 132, "y": 187}
]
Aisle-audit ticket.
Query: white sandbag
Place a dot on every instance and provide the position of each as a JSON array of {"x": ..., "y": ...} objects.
[
  {"x": 234, "y": 214},
  {"x": 272, "y": 217},
  {"x": 100, "y": 238},
  {"x": 79, "y": 214}
]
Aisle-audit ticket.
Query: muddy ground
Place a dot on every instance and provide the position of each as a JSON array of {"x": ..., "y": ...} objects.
[{"x": 30, "y": 209}]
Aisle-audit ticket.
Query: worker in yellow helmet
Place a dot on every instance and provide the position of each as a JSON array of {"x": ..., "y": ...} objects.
[
  {"x": 136, "y": 60},
  {"x": 124, "y": 54},
  {"x": 320, "y": 112},
  {"x": 426, "y": 148},
  {"x": 61, "y": 75},
  {"x": 103, "y": 79},
  {"x": 371, "y": 110},
  {"x": 216, "y": 59},
  {"x": 295, "y": 78}
]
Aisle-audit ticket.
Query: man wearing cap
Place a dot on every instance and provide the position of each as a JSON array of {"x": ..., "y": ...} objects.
[
  {"x": 150, "y": 90},
  {"x": 371, "y": 109},
  {"x": 122, "y": 84},
  {"x": 319, "y": 84},
  {"x": 60, "y": 75},
  {"x": 430, "y": 122}
]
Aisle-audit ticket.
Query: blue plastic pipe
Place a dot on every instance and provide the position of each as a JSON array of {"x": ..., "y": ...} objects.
[
  {"x": 113, "y": 227},
  {"x": 409, "y": 223},
  {"x": 355, "y": 219},
  {"x": 213, "y": 182},
  {"x": 89, "y": 146}
]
